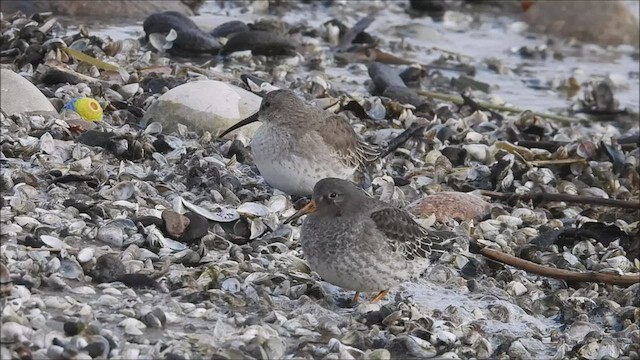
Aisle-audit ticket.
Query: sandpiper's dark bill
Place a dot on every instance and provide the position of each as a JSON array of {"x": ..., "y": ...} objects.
[{"x": 251, "y": 119}]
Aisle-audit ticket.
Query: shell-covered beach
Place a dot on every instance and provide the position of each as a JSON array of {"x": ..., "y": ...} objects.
[{"x": 129, "y": 229}]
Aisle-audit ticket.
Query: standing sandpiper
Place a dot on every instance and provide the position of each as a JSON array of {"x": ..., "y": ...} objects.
[
  {"x": 360, "y": 243},
  {"x": 299, "y": 144}
]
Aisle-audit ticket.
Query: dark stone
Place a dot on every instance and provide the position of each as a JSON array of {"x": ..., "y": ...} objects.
[
  {"x": 403, "y": 95},
  {"x": 85, "y": 8},
  {"x": 98, "y": 347},
  {"x": 384, "y": 76},
  {"x": 197, "y": 229},
  {"x": 239, "y": 150},
  {"x": 138, "y": 281},
  {"x": 108, "y": 268},
  {"x": 456, "y": 155},
  {"x": 190, "y": 38},
  {"x": 411, "y": 76},
  {"x": 398, "y": 181},
  {"x": 56, "y": 76},
  {"x": 161, "y": 145},
  {"x": 231, "y": 182},
  {"x": 173, "y": 356},
  {"x": 72, "y": 328},
  {"x": 430, "y": 6},
  {"x": 96, "y": 138},
  {"x": 154, "y": 83},
  {"x": 229, "y": 28},
  {"x": 260, "y": 43}
]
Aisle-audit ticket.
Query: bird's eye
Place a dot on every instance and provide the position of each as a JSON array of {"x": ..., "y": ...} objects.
[
  {"x": 333, "y": 195},
  {"x": 266, "y": 105}
]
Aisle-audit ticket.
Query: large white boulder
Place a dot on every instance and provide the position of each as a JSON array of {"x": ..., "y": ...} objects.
[
  {"x": 18, "y": 95},
  {"x": 205, "y": 105}
]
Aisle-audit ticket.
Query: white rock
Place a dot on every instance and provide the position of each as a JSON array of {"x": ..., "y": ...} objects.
[
  {"x": 457, "y": 21},
  {"x": 18, "y": 95},
  {"x": 131, "y": 322},
  {"x": 55, "y": 302},
  {"x": 205, "y": 105},
  {"x": 132, "y": 330},
  {"x": 108, "y": 300},
  {"x": 446, "y": 337},
  {"x": 12, "y": 331},
  {"x": 516, "y": 288},
  {"x": 83, "y": 290},
  {"x": 478, "y": 152}
]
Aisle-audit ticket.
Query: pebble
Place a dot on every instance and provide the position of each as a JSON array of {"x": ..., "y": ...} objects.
[
  {"x": 183, "y": 105},
  {"x": 454, "y": 205},
  {"x": 21, "y": 96}
]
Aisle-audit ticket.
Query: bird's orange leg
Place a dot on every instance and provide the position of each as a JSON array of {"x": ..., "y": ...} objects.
[
  {"x": 380, "y": 296},
  {"x": 355, "y": 299}
]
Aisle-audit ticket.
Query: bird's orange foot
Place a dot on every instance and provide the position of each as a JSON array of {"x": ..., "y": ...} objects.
[
  {"x": 380, "y": 296},
  {"x": 355, "y": 299}
]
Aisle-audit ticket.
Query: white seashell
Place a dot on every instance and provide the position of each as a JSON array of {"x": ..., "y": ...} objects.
[
  {"x": 25, "y": 221},
  {"x": 473, "y": 137},
  {"x": 221, "y": 215},
  {"x": 570, "y": 258},
  {"x": 528, "y": 216},
  {"x": 231, "y": 285},
  {"x": 71, "y": 269},
  {"x": 510, "y": 221},
  {"x": 253, "y": 209},
  {"x": 419, "y": 347},
  {"x": 620, "y": 262},
  {"x": 113, "y": 232},
  {"x": 540, "y": 175},
  {"x": 121, "y": 191},
  {"x": 479, "y": 152},
  {"x": 446, "y": 337},
  {"x": 129, "y": 90},
  {"x": 86, "y": 254},
  {"x": 50, "y": 219},
  {"x": 608, "y": 349},
  {"x": 257, "y": 228},
  {"x": 594, "y": 191},
  {"x": 161, "y": 42},
  {"x": 47, "y": 145},
  {"x": 277, "y": 203},
  {"x": 153, "y": 128},
  {"x": 53, "y": 242},
  {"x": 174, "y": 245},
  {"x": 83, "y": 165},
  {"x": 76, "y": 227},
  {"x": 518, "y": 351}
]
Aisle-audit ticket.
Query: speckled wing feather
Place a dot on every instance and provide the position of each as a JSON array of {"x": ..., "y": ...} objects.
[
  {"x": 338, "y": 133},
  {"x": 404, "y": 234}
]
